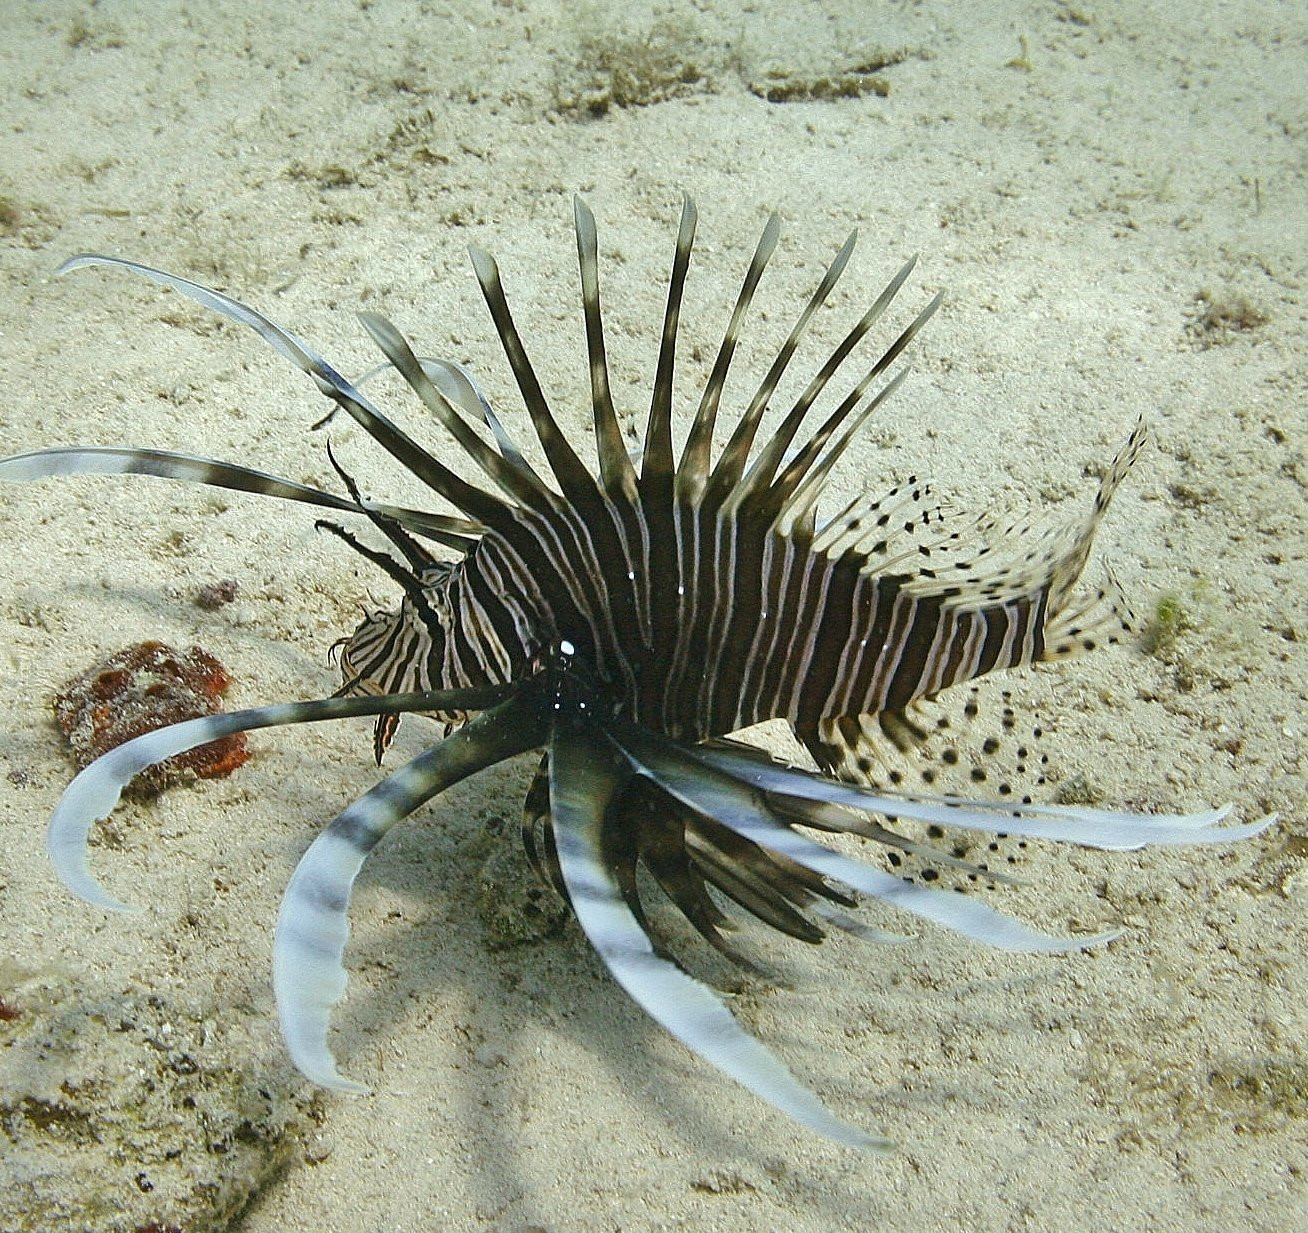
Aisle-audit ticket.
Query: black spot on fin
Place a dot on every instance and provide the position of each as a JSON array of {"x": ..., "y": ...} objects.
[{"x": 966, "y": 744}]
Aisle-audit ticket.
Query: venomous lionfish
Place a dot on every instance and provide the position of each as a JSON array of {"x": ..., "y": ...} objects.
[{"x": 625, "y": 621}]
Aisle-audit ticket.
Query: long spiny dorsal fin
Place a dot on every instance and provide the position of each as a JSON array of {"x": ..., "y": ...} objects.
[
  {"x": 411, "y": 583},
  {"x": 477, "y": 504},
  {"x": 694, "y": 468},
  {"x": 616, "y": 472},
  {"x": 759, "y": 476},
  {"x": 573, "y": 477},
  {"x": 802, "y": 480},
  {"x": 456, "y": 533},
  {"x": 523, "y": 487},
  {"x": 731, "y": 464},
  {"x": 657, "y": 462},
  {"x": 797, "y": 505},
  {"x": 456, "y": 383},
  {"x": 418, "y": 557}
]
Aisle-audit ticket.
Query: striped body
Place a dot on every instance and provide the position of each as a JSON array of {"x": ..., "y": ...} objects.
[
  {"x": 621, "y": 623},
  {"x": 698, "y": 622},
  {"x": 706, "y": 596}
]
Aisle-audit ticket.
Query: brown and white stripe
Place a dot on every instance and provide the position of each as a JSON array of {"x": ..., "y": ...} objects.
[{"x": 624, "y": 623}]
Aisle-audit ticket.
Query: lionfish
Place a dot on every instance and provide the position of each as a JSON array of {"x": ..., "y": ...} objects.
[{"x": 624, "y": 622}]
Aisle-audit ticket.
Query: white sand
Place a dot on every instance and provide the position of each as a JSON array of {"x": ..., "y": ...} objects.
[{"x": 315, "y": 158}]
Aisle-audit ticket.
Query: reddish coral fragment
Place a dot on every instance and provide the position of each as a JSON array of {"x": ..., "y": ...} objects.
[{"x": 143, "y": 687}]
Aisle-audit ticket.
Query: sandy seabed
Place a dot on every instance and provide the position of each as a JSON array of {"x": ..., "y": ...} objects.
[{"x": 1113, "y": 196}]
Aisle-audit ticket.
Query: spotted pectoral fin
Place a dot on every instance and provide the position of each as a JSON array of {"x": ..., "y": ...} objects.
[
  {"x": 862, "y": 748},
  {"x": 731, "y": 789},
  {"x": 957, "y": 744},
  {"x": 1094, "y": 828},
  {"x": 961, "y": 742},
  {"x": 584, "y": 781}
]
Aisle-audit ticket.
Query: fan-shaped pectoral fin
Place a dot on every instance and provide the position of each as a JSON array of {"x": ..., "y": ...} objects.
[
  {"x": 586, "y": 774},
  {"x": 95, "y": 791},
  {"x": 312, "y": 927}
]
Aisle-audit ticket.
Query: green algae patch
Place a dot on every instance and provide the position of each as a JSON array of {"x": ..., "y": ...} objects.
[
  {"x": 612, "y": 67},
  {"x": 1263, "y": 1092},
  {"x": 1173, "y": 615}
]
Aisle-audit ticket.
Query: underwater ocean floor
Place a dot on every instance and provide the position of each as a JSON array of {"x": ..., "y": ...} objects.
[{"x": 1111, "y": 197}]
